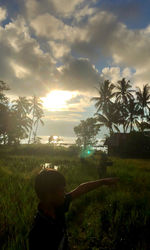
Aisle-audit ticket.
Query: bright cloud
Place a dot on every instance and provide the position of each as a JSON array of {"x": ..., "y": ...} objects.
[
  {"x": 3, "y": 14},
  {"x": 56, "y": 100}
]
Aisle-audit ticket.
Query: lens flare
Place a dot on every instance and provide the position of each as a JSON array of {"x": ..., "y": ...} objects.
[{"x": 87, "y": 152}]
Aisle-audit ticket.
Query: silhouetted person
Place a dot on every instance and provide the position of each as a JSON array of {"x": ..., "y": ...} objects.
[{"x": 48, "y": 231}]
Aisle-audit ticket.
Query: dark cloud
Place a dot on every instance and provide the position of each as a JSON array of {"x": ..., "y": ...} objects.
[{"x": 79, "y": 74}]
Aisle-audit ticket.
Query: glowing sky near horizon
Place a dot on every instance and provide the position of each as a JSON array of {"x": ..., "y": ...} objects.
[{"x": 56, "y": 100}]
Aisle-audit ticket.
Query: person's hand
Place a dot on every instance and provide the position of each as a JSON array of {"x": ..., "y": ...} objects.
[{"x": 110, "y": 181}]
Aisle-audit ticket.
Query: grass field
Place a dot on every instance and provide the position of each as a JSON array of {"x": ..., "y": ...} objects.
[{"x": 106, "y": 218}]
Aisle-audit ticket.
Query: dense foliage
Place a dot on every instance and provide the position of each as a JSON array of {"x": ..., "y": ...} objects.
[
  {"x": 123, "y": 108},
  {"x": 19, "y": 119}
]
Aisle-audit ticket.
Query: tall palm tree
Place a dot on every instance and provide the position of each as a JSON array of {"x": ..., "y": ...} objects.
[
  {"x": 18, "y": 126},
  {"x": 105, "y": 95},
  {"x": 123, "y": 115},
  {"x": 37, "y": 113},
  {"x": 22, "y": 106},
  {"x": 143, "y": 98},
  {"x": 123, "y": 93},
  {"x": 133, "y": 112},
  {"x": 110, "y": 118},
  {"x": 20, "y": 110}
]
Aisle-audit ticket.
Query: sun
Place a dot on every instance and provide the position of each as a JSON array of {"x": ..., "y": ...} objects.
[{"x": 56, "y": 100}]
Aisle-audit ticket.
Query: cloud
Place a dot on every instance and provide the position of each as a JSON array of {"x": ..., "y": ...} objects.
[
  {"x": 59, "y": 49},
  {"x": 62, "y": 115},
  {"x": 23, "y": 65},
  {"x": 47, "y": 25},
  {"x": 52, "y": 28},
  {"x": 79, "y": 74},
  {"x": 105, "y": 35},
  {"x": 115, "y": 74},
  {"x": 63, "y": 8},
  {"x": 85, "y": 12},
  {"x": 3, "y": 14},
  {"x": 66, "y": 7}
]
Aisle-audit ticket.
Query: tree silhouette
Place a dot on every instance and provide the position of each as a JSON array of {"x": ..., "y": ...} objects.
[
  {"x": 105, "y": 95},
  {"x": 143, "y": 98},
  {"x": 110, "y": 118},
  {"x": 22, "y": 106},
  {"x": 37, "y": 113},
  {"x": 20, "y": 110},
  {"x": 123, "y": 93},
  {"x": 133, "y": 112},
  {"x": 86, "y": 132}
]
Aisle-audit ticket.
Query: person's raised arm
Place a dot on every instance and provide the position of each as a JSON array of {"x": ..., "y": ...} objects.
[{"x": 90, "y": 185}]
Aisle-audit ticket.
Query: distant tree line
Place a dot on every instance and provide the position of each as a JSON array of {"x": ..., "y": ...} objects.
[
  {"x": 119, "y": 108},
  {"x": 20, "y": 118}
]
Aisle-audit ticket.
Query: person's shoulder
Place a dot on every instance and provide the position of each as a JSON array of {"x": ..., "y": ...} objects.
[{"x": 68, "y": 197}]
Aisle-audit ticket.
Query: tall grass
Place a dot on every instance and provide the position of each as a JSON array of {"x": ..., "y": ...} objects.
[{"x": 115, "y": 217}]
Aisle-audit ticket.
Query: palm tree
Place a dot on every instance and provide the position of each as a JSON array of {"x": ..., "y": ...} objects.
[
  {"x": 18, "y": 127},
  {"x": 142, "y": 126},
  {"x": 22, "y": 106},
  {"x": 20, "y": 110},
  {"x": 110, "y": 118},
  {"x": 37, "y": 113},
  {"x": 105, "y": 94},
  {"x": 123, "y": 93},
  {"x": 143, "y": 98},
  {"x": 132, "y": 114}
]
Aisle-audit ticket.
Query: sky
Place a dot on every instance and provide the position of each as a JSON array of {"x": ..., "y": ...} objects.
[{"x": 62, "y": 49}]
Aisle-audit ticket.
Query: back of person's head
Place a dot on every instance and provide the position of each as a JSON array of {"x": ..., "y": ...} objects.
[{"x": 48, "y": 181}]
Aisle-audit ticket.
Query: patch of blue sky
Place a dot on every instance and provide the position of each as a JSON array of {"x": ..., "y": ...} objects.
[
  {"x": 13, "y": 8},
  {"x": 134, "y": 13},
  {"x": 6, "y": 21}
]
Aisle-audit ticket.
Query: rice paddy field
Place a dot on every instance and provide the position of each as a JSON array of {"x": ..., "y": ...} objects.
[{"x": 116, "y": 217}]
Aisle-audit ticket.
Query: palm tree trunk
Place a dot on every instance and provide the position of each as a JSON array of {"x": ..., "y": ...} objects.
[
  {"x": 35, "y": 133},
  {"x": 131, "y": 127},
  {"x": 110, "y": 130},
  {"x": 124, "y": 130},
  {"x": 30, "y": 133},
  {"x": 31, "y": 128}
]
